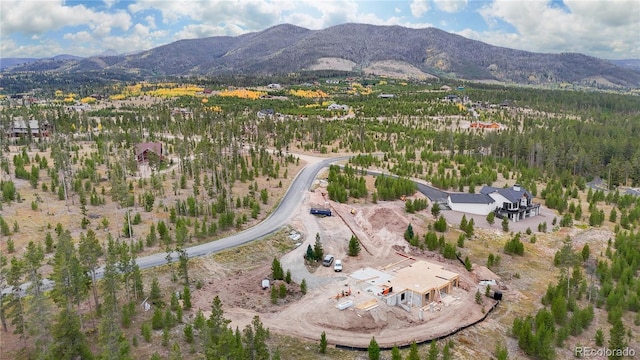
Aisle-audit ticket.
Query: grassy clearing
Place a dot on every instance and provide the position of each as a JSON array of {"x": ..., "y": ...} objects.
[{"x": 256, "y": 252}]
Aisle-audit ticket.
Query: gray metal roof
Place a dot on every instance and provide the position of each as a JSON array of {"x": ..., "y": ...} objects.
[
  {"x": 510, "y": 193},
  {"x": 634, "y": 192},
  {"x": 464, "y": 198}
]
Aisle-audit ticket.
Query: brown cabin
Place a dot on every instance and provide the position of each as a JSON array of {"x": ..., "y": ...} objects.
[{"x": 143, "y": 150}]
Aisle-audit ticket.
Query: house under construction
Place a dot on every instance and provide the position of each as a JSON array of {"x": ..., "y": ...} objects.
[
  {"x": 415, "y": 285},
  {"x": 421, "y": 283}
]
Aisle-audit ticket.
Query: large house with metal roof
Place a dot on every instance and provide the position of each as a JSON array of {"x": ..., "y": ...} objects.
[
  {"x": 23, "y": 128},
  {"x": 513, "y": 202}
]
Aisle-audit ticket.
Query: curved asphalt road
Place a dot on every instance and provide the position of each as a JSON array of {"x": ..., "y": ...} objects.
[{"x": 278, "y": 218}]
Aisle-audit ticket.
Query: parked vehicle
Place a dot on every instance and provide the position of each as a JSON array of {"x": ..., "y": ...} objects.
[
  {"x": 328, "y": 260},
  {"x": 323, "y": 212},
  {"x": 337, "y": 267}
]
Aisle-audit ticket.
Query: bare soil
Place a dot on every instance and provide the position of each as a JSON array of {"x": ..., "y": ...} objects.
[{"x": 379, "y": 228}]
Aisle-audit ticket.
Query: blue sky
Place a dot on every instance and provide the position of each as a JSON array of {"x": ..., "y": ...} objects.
[{"x": 603, "y": 28}]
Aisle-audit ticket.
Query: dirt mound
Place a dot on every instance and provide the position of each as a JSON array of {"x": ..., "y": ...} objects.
[{"x": 379, "y": 228}]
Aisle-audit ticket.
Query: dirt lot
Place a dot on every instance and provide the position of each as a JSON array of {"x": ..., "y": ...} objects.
[{"x": 380, "y": 229}]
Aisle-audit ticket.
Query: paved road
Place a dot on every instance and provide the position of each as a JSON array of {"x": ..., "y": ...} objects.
[
  {"x": 278, "y": 218},
  {"x": 434, "y": 194}
]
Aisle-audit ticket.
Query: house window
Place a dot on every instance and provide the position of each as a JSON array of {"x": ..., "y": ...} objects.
[{"x": 402, "y": 297}]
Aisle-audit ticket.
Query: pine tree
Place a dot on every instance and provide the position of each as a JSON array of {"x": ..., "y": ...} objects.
[
  {"x": 3, "y": 285},
  {"x": 413, "y": 352},
  {"x": 176, "y": 353},
  {"x": 123, "y": 254},
  {"x": 490, "y": 260},
  {"x": 38, "y": 304},
  {"x": 183, "y": 265},
  {"x": 188, "y": 333},
  {"x": 501, "y": 352},
  {"x": 70, "y": 279},
  {"x": 446, "y": 351},
  {"x": 409, "y": 234},
  {"x": 373, "y": 349},
  {"x": 318, "y": 252},
  {"x": 69, "y": 341},
  {"x": 461, "y": 239},
  {"x": 440, "y": 225},
  {"x": 491, "y": 218},
  {"x": 469, "y": 229},
  {"x": 113, "y": 343},
  {"x": 186, "y": 298},
  {"x": 467, "y": 264},
  {"x": 599, "y": 338},
  {"x": 395, "y": 353},
  {"x": 433, "y": 351},
  {"x": 310, "y": 255},
  {"x": 463, "y": 223},
  {"x": 303, "y": 286},
  {"x": 145, "y": 331},
  {"x": 156, "y": 319},
  {"x": 137, "y": 283},
  {"x": 613, "y": 215},
  {"x": 354, "y": 246},
  {"x": 435, "y": 209},
  {"x": 174, "y": 301},
  {"x": 585, "y": 252},
  {"x": 505, "y": 224},
  {"x": 155, "y": 295},
  {"x": 15, "y": 304},
  {"x": 276, "y": 270},
  {"x": 617, "y": 337},
  {"x": 90, "y": 252},
  {"x": 323, "y": 343}
]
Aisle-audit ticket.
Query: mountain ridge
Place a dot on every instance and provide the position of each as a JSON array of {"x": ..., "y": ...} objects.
[{"x": 288, "y": 48}]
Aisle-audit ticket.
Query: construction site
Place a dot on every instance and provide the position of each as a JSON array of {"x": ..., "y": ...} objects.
[{"x": 390, "y": 290}]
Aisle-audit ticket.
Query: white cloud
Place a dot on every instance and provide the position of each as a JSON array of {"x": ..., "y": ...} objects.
[
  {"x": 450, "y": 6},
  {"x": 309, "y": 21},
  {"x": 419, "y": 8},
  {"x": 417, "y": 25},
  {"x": 7, "y": 46},
  {"x": 253, "y": 14},
  {"x": 151, "y": 20},
  {"x": 81, "y": 36},
  {"x": 604, "y": 28},
  {"x": 195, "y": 31},
  {"x": 37, "y": 17},
  {"x": 598, "y": 28},
  {"x": 43, "y": 49},
  {"x": 109, "y": 3}
]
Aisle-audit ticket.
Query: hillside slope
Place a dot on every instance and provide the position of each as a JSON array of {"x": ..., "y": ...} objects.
[{"x": 287, "y": 48}]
